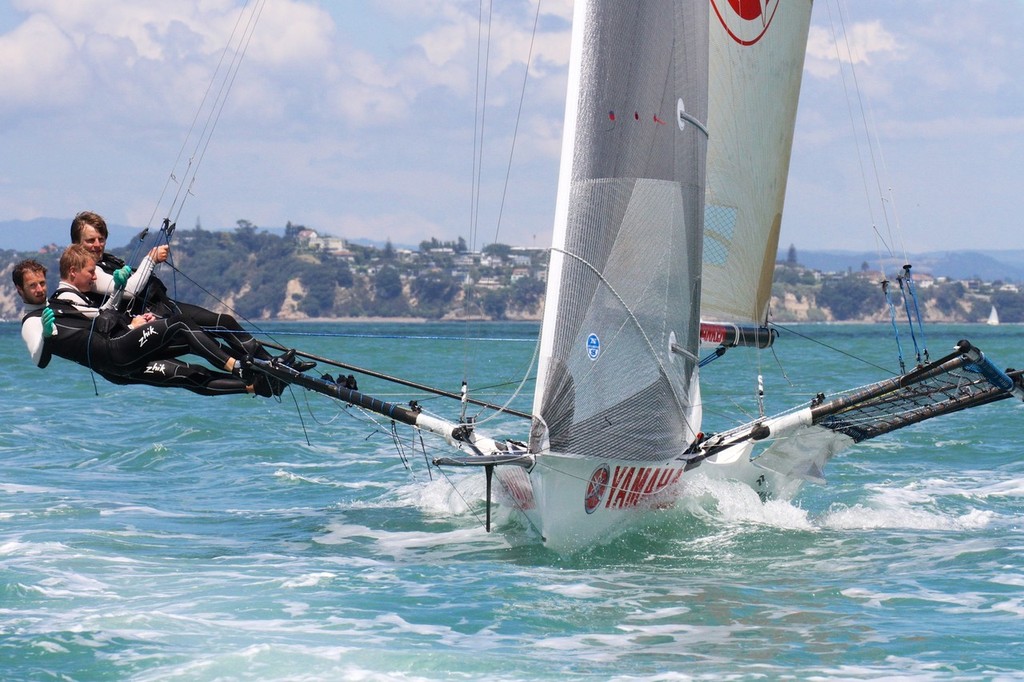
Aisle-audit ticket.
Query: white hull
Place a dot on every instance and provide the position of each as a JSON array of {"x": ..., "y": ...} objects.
[{"x": 576, "y": 503}]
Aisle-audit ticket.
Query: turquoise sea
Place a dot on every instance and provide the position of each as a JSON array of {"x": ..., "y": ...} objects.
[{"x": 150, "y": 534}]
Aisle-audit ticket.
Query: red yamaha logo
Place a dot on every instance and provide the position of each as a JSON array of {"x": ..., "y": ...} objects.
[
  {"x": 745, "y": 20},
  {"x": 596, "y": 488}
]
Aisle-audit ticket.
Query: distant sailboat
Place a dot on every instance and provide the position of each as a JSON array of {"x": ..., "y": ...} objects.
[{"x": 993, "y": 317}]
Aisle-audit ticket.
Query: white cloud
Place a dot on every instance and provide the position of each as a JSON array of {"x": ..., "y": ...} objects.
[
  {"x": 38, "y": 66},
  {"x": 863, "y": 44},
  {"x": 363, "y": 113}
]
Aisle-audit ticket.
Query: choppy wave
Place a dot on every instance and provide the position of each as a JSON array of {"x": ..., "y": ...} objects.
[{"x": 153, "y": 535}]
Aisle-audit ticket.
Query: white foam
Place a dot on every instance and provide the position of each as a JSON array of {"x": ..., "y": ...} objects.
[
  {"x": 24, "y": 488},
  {"x": 1014, "y": 606},
  {"x": 149, "y": 511},
  {"x": 1011, "y": 487},
  {"x": 735, "y": 502},
  {"x": 324, "y": 480},
  {"x": 914, "y": 506},
  {"x": 310, "y": 579},
  {"x": 575, "y": 590}
]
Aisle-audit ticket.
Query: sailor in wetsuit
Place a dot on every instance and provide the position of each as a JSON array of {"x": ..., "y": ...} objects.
[
  {"x": 142, "y": 351},
  {"x": 146, "y": 293}
]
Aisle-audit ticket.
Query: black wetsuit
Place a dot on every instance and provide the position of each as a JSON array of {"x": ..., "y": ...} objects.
[
  {"x": 154, "y": 299},
  {"x": 103, "y": 340},
  {"x": 167, "y": 373},
  {"x": 175, "y": 373}
]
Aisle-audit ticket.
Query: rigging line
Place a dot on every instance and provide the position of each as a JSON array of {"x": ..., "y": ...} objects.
[
  {"x": 867, "y": 133},
  {"x": 636, "y": 323},
  {"x": 519, "y": 388},
  {"x": 216, "y": 108},
  {"x": 479, "y": 127},
  {"x": 480, "y": 116},
  {"x": 476, "y": 115},
  {"x": 482, "y": 109},
  {"x": 302, "y": 422},
  {"x": 832, "y": 348},
  {"x": 316, "y": 420},
  {"x": 886, "y": 176},
  {"x": 458, "y": 492},
  {"x": 519, "y": 115},
  {"x": 864, "y": 121},
  {"x": 395, "y": 380},
  {"x": 856, "y": 137},
  {"x": 175, "y": 269},
  {"x": 423, "y": 449},
  {"x": 232, "y": 74},
  {"x": 402, "y": 337},
  {"x": 398, "y": 446},
  {"x": 871, "y": 127},
  {"x": 408, "y": 337},
  {"x": 202, "y": 104},
  {"x": 910, "y": 296},
  {"x": 895, "y": 327},
  {"x": 910, "y": 320}
]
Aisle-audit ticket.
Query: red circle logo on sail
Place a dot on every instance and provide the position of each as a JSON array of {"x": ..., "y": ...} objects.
[
  {"x": 745, "y": 20},
  {"x": 596, "y": 488}
]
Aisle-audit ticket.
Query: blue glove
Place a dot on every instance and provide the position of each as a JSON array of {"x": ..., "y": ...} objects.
[
  {"x": 121, "y": 276},
  {"x": 48, "y": 327}
]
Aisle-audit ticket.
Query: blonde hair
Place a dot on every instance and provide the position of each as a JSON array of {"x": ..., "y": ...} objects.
[{"x": 75, "y": 257}]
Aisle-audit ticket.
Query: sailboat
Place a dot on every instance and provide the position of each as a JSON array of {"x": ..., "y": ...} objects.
[
  {"x": 678, "y": 127},
  {"x": 993, "y": 317}
]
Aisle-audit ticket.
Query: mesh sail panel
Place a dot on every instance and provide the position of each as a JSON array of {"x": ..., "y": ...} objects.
[
  {"x": 955, "y": 385},
  {"x": 624, "y": 280},
  {"x": 800, "y": 442}
]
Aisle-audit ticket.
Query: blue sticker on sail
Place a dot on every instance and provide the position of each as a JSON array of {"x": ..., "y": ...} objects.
[{"x": 593, "y": 346}]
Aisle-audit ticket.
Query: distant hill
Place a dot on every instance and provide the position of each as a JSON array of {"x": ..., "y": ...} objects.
[
  {"x": 32, "y": 235},
  {"x": 989, "y": 266},
  {"x": 986, "y": 265}
]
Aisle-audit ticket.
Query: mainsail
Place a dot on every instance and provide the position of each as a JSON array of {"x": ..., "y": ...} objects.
[
  {"x": 621, "y": 324},
  {"x": 756, "y": 62}
]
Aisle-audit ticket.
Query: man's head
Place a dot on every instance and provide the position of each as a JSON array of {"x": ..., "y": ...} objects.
[
  {"x": 78, "y": 267},
  {"x": 90, "y": 230},
  {"x": 30, "y": 280}
]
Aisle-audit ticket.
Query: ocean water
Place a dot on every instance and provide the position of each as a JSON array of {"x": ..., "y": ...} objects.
[{"x": 150, "y": 534}]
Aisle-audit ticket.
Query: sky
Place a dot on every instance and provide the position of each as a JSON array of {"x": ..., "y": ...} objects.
[{"x": 359, "y": 119}]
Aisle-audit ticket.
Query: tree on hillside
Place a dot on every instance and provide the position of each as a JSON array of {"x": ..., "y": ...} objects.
[
  {"x": 499, "y": 250},
  {"x": 526, "y": 293},
  {"x": 1010, "y": 306},
  {"x": 434, "y": 290},
  {"x": 850, "y": 297},
  {"x": 494, "y": 303},
  {"x": 948, "y": 296},
  {"x": 387, "y": 287}
]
